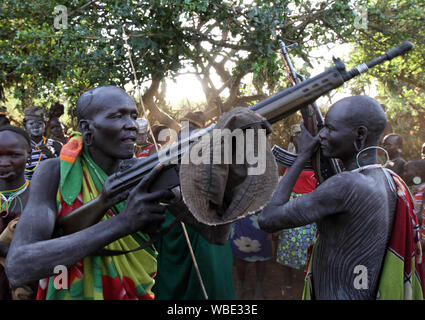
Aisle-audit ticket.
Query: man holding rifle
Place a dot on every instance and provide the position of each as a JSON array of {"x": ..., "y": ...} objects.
[
  {"x": 107, "y": 121},
  {"x": 367, "y": 231}
]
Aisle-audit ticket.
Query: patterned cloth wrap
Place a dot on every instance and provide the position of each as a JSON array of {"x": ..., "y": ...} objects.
[
  {"x": 293, "y": 243},
  {"x": 248, "y": 241},
  {"x": 122, "y": 277},
  {"x": 402, "y": 274}
]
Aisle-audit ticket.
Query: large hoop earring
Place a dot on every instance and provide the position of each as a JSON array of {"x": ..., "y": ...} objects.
[{"x": 371, "y": 147}]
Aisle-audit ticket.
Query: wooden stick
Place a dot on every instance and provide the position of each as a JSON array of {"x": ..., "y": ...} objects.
[{"x": 195, "y": 264}]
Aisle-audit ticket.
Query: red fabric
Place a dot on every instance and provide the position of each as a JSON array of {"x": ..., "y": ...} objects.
[
  {"x": 71, "y": 150},
  {"x": 306, "y": 182},
  {"x": 145, "y": 152},
  {"x": 418, "y": 196},
  {"x": 404, "y": 236}
]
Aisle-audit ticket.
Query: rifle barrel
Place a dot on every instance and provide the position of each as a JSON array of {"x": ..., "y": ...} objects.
[{"x": 389, "y": 55}]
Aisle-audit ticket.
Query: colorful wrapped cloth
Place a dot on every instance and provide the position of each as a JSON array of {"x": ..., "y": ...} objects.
[
  {"x": 402, "y": 274},
  {"x": 248, "y": 241},
  {"x": 124, "y": 277}
]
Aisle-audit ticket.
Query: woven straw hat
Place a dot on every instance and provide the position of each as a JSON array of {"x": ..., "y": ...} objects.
[{"x": 221, "y": 193}]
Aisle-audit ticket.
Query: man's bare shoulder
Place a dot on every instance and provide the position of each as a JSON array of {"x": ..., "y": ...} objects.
[
  {"x": 346, "y": 182},
  {"x": 349, "y": 180},
  {"x": 46, "y": 177},
  {"x": 341, "y": 179}
]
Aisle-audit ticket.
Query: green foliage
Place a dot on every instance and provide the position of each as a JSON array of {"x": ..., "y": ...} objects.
[
  {"x": 38, "y": 61},
  {"x": 400, "y": 84},
  {"x": 235, "y": 39}
]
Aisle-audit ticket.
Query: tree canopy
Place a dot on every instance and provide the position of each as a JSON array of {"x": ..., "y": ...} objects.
[
  {"x": 229, "y": 38},
  {"x": 400, "y": 84},
  {"x": 234, "y": 41}
]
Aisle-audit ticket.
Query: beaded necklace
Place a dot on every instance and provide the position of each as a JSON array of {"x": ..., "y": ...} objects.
[
  {"x": 36, "y": 147},
  {"x": 9, "y": 198}
]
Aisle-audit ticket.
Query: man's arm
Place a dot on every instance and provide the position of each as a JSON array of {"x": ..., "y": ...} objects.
[
  {"x": 280, "y": 213},
  {"x": 34, "y": 255},
  {"x": 327, "y": 199}
]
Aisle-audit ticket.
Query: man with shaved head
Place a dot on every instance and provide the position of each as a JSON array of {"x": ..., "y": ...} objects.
[
  {"x": 393, "y": 143},
  {"x": 367, "y": 232},
  {"x": 69, "y": 265}
]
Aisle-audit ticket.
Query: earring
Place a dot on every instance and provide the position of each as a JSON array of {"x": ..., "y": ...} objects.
[{"x": 371, "y": 147}]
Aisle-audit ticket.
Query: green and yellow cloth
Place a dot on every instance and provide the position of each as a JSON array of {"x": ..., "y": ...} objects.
[{"x": 128, "y": 276}]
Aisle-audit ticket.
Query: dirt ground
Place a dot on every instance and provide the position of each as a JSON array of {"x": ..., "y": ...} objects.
[{"x": 274, "y": 284}]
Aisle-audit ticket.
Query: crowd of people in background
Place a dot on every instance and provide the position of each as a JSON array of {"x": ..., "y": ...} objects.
[{"x": 42, "y": 136}]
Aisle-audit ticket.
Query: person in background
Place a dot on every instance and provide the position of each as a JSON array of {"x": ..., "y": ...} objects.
[
  {"x": 423, "y": 151},
  {"x": 414, "y": 176},
  {"x": 41, "y": 147},
  {"x": 14, "y": 190},
  {"x": 57, "y": 131},
  {"x": 250, "y": 245},
  {"x": 143, "y": 147},
  {"x": 393, "y": 143}
]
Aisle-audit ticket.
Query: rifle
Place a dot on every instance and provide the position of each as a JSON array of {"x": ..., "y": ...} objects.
[
  {"x": 313, "y": 121},
  {"x": 273, "y": 109}
]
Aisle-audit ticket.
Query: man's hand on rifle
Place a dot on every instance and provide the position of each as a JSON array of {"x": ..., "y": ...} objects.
[
  {"x": 307, "y": 144},
  {"x": 143, "y": 211}
]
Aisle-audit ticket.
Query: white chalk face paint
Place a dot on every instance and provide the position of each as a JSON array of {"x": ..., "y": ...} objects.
[
  {"x": 417, "y": 180},
  {"x": 35, "y": 127}
]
